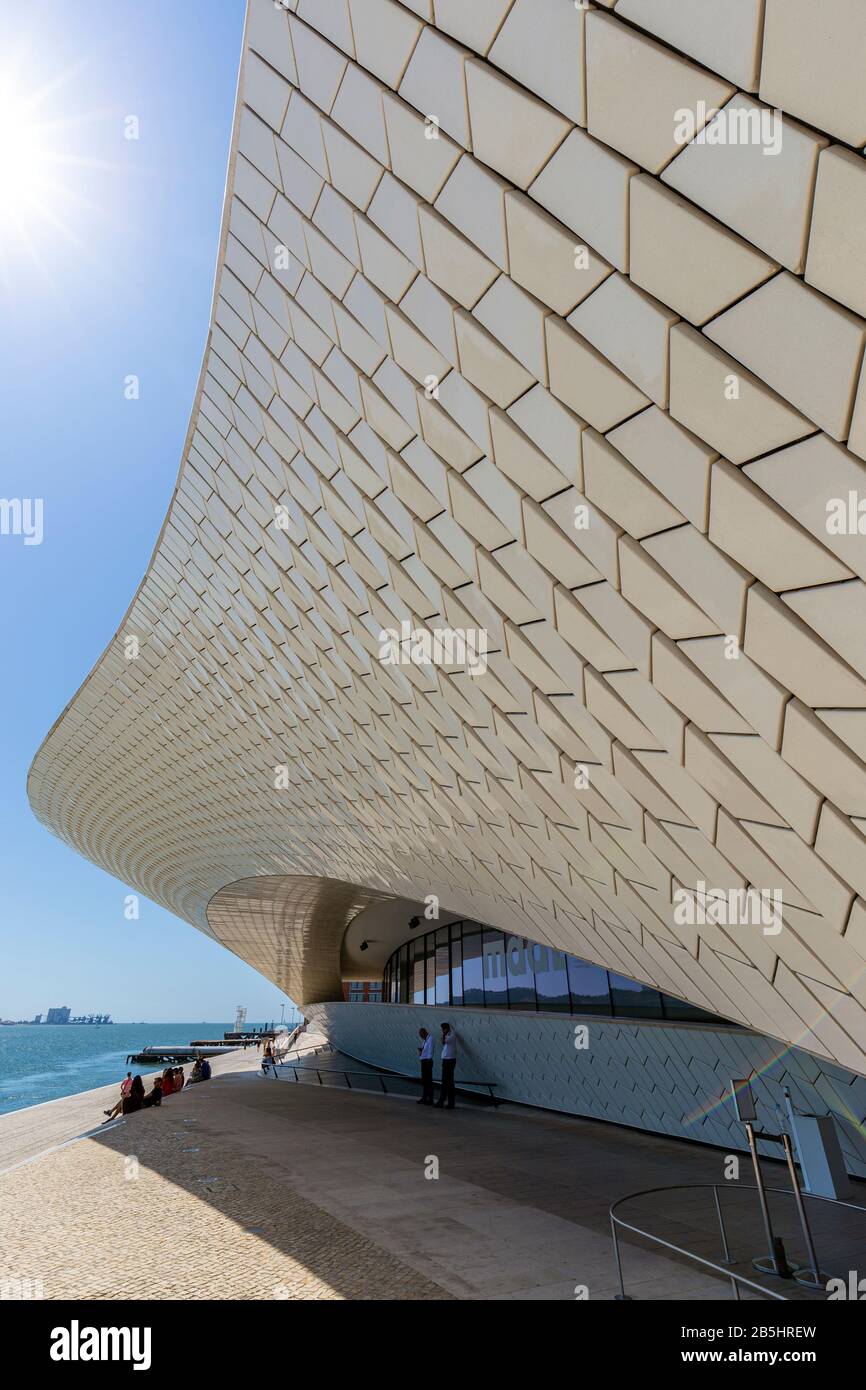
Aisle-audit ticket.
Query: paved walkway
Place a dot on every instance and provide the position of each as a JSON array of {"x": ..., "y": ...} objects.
[
  {"x": 256, "y": 1188},
  {"x": 24, "y": 1134}
]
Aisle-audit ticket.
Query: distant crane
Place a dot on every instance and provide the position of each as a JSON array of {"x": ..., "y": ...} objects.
[{"x": 240, "y": 1019}]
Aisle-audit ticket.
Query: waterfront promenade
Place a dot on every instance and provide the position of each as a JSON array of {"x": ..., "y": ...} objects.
[
  {"x": 37, "y": 1129},
  {"x": 253, "y": 1188}
]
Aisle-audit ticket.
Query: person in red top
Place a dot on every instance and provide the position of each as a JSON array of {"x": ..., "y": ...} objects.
[
  {"x": 125, "y": 1088},
  {"x": 178, "y": 1078},
  {"x": 167, "y": 1081}
]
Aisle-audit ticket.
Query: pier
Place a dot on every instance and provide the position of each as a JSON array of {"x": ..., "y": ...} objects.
[{"x": 149, "y": 1056}]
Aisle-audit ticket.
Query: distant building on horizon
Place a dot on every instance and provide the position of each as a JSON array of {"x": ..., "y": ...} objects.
[{"x": 58, "y": 1015}]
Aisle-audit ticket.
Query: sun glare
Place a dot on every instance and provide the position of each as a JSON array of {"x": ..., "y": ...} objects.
[
  {"x": 25, "y": 160},
  {"x": 42, "y": 171}
]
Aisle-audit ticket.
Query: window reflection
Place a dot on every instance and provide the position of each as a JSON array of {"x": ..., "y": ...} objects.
[
  {"x": 472, "y": 966},
  {"x": 418, "y": 993},
  {"x": 551, "y": 978},
  {"x": 588, "y": 987},
  {"x": 405, "y": 978},
  {"x": 473, "y": 975},
  {"x": 443, "y": 968},
  {"x": 456, "y": 966},
  {"x": 634, "y": 1000},
  {"x": 521, "y": 979},
  {"x": 495, "y": 972},
  {"x": 678, "y": 1009}
]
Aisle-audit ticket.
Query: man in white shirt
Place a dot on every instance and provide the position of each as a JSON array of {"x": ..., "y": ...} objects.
[
  {"x": 449, "y": 1062},
  {"x": 425, "y": 1052}
]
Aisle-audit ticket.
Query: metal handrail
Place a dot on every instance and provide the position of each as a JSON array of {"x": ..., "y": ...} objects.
[
  {"x": 736, "y": 1279},
  {"x": 294, "y": 1067}
]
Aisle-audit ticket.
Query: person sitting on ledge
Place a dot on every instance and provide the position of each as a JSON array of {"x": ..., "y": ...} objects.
[
  {"x": 167, "y": 1081},
  {"x": 135, "y": 1099},
  {"x": 205, "y": 1069},
  {"x": 195, "y": 1074},
  {"x": 178, "y": 1078},
  {"x": 125, "y": 1088},
  {"x": 154, "y": 1096}
]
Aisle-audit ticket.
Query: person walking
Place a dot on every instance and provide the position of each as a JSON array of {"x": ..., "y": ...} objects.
[
  {"x": 449, "y": 1063},
  {"x": 425, "y": 1052}
]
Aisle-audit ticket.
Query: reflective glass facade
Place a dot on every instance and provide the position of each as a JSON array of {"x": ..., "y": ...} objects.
[{"x": 467, "y": 965}]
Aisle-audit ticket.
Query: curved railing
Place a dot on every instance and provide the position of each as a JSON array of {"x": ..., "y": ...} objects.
[
  {"x": 383, "y": 1077},
  {"x": 727, "y": 1273}
]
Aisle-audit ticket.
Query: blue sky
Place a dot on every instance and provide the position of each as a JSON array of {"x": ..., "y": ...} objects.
[{"x": 112, "y": 277}]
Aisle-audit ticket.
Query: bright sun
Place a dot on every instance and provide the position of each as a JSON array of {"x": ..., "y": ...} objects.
[
  {"x": 37, "y": 192},
  {"x": 25, "y": 159}
]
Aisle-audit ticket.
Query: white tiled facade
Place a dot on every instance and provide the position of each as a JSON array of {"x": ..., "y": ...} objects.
[{"x": 493, "y": 349}]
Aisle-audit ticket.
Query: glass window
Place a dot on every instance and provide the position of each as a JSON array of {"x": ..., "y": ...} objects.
[
  {"x": 405, "y": 978},
  {"x": 443, "y": 968},
  {"x": 551, "y": 978},
  {"x": 473, "y": 966},
  {"x": 521, "y": 982},
  {"x": 456, "y": 965},
  {"x": 690, "y": 1013},
  {"x": 588, "y": 986},
  {"x": 495, "y": 973},
  {"x": 634, "y": 1000},
  {"x": 473, "y": 976},
  {"x": 418, "y": 992}
]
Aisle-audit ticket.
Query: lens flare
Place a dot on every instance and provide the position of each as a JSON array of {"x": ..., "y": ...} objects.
[{"x": 26, "y": 159}]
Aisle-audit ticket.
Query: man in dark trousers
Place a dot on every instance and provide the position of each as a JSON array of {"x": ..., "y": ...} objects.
[
  {"x": 425, "y": 1052},
  {"x": 449, "y": 1062}
]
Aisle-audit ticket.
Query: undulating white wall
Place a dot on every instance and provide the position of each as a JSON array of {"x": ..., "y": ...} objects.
[{"x": 514, "y": 337}]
